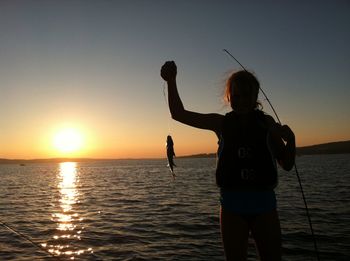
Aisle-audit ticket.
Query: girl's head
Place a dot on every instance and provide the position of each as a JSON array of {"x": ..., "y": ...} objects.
[{"x": 242, "y": 89}]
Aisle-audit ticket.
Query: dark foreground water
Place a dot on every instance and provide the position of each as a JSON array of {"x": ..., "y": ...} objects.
[{"x": 134, "y": 210}]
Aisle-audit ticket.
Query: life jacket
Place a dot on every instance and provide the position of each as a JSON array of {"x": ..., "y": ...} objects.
[{"x": 245, "y": 160}]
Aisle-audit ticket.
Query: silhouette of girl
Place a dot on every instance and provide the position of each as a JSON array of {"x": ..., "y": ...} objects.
[{"x": 250, "y": 144}]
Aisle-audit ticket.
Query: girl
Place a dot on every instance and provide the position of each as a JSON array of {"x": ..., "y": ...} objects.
[{"x": 250, "y": 143}]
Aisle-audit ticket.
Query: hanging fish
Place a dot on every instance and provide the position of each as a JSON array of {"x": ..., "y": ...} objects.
[{"x": 170, "y": 154}]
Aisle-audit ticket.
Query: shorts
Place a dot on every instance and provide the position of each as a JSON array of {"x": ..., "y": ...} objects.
[{"x": 248, "y": 202}]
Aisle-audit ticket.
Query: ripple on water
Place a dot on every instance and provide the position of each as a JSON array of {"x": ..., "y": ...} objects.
[{"x": 134, "y": 210}]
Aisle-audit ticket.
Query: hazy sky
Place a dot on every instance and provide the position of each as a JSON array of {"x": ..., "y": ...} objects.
[{"x": 94, "y": 66}]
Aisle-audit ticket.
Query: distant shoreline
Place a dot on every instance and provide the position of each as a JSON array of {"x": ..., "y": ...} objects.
[{"x": 340, "y": 147}]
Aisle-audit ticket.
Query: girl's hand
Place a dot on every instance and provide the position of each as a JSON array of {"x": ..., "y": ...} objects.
[
  {"x": 169, "y": 71},
  {"x": 287, "y": 134},
  {"x": 284, "y": 132}
]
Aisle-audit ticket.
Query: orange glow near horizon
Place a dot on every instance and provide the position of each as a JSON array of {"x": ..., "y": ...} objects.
[{"x": 84, "y": 139}]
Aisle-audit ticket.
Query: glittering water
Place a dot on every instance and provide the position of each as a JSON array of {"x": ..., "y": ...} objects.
[{"x": 134, "y": 210}]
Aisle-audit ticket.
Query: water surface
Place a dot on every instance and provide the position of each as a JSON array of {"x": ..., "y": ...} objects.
[{"x": 134, "y": 210}]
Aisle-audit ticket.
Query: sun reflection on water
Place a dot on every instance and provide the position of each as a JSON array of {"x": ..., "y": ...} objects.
[{"x": 69, "y": 223}]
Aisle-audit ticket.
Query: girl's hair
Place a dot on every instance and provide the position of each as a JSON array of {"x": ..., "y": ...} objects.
[{"x": 245, "y": 79}]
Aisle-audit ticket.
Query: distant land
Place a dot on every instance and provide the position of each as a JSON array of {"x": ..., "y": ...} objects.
[{"x": 339, "y": 147}]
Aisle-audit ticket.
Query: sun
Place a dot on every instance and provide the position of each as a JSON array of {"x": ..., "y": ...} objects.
[{"x": 68, "y": 140}]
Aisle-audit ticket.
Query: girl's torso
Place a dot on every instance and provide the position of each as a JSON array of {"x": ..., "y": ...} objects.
[{"x": 245, "y": 159}]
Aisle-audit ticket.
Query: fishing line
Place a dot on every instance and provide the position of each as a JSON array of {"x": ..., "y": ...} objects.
[
  {"x": 5, "y": 225},
  {"x": 167, "y": 104},
  {"x": 28, "y": 239},
  {"x": 169, "y": 141},
  {"x": 295, "y": 166}
]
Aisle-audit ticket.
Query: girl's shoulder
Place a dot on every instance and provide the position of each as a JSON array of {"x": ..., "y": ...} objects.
[{"x": 268, "y": 119}]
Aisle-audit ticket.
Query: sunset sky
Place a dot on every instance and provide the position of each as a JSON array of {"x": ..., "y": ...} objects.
[{"x": 93, "y": 67}]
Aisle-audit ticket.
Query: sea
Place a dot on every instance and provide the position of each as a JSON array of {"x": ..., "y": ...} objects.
[{"x": 135, "y": 210}]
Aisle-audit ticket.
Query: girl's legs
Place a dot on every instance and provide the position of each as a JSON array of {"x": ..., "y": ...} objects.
[
  {"x": 266, "y": 231},
  {"x": 234, "y": 232}
]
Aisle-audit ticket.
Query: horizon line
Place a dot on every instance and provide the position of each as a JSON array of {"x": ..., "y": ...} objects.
[{"x": 60, "y": 159}]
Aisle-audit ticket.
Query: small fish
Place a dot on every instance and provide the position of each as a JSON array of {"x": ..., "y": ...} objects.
[{"x": 170, "y": 154}]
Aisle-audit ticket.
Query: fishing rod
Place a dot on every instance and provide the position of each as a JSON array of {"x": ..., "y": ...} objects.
[{"x": 295, "y": 166}]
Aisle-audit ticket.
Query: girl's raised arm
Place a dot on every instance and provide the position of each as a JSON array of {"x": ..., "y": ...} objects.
[{"x": 211, "y": 121}]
